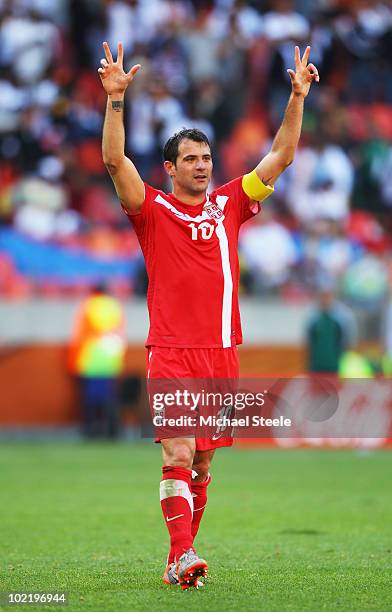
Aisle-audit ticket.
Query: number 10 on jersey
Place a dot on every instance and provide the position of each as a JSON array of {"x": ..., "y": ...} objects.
[{"x": 205, "y": 230}]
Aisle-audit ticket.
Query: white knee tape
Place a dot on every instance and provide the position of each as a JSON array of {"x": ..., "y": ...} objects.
[{"x": 175, "y": 488}]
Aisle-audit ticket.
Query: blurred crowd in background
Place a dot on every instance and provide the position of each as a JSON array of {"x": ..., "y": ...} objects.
[{"x": 220, "y": 66}]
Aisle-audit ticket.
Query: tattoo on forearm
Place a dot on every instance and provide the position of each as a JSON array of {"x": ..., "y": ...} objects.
[{"x": 117, "y": 105}]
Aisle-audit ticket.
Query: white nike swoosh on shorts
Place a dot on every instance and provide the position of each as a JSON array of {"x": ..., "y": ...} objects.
[
  {"x": 173, "y": 517},
  {"x": 217, "y": 436}
]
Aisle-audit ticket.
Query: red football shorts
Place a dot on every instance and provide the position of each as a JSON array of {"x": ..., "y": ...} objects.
[{"x": 178, "y": 364}]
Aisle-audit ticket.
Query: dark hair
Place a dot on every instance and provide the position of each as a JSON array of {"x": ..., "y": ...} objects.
[{"x": 170, "y": 150}]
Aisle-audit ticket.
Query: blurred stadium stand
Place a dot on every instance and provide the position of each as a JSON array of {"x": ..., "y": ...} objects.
[{"x": 219, "y": 65}]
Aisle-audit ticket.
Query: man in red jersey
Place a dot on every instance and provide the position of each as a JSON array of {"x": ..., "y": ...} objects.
[{"x": 189, "y": 241}]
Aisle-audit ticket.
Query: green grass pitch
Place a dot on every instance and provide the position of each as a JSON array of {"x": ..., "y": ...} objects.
[{"x": 284, "y": 530}]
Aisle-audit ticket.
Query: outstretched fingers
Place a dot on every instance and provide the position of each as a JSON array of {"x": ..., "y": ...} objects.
[
  {"x": 297, "y": 58},
  {"x": 305, "y": 56},
  {"x": 108, "y": 65},
  {"x": 120, "y": 53},
  {"x": 108, "y": 53},
  {"x": 133, "y": 71}
]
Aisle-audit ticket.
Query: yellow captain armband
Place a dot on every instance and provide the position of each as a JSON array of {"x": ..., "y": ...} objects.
[{"x": 255, "y": 188}]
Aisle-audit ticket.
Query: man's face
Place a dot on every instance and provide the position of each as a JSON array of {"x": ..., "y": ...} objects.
[{"x": 193, "y": 168}]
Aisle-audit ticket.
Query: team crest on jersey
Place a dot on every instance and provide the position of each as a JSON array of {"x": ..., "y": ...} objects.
[{"x": 213, "y": 211}]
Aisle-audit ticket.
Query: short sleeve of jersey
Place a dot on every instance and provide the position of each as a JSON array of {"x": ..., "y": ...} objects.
[
  {"x": 245, "y": 208},
  {"x": 143, "y": 218}
]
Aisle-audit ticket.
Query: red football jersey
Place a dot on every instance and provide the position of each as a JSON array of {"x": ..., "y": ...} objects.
[{"x": 192, "y": 265}]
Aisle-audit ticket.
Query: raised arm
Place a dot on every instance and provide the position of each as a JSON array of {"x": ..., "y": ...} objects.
[
  {"x": 127, "y": 181},
  {"x": 286, "y": 140}
]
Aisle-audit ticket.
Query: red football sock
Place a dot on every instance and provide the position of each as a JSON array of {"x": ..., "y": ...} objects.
[
  {"x": 177, "y": 508},
  {"x": 199, "y": 494}
]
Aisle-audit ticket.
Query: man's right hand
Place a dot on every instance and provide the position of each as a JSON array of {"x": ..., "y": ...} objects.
[{"x": 113, "y": 77}]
